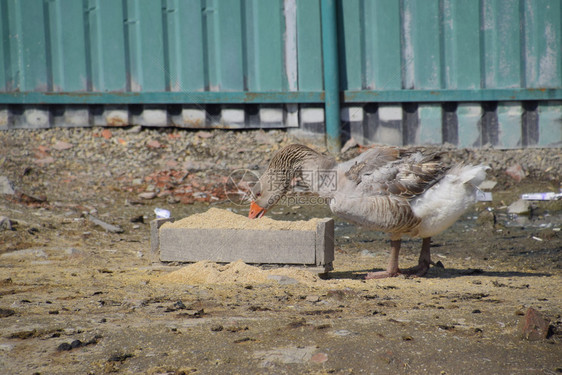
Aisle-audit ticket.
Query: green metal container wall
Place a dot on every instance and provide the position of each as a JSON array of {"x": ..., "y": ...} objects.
[
  {"x": 451, "y": 45},
  {"x": 408, "y": 68},
  {"x": 149, "y": 46},
  {"x": 239, "y": 45}
]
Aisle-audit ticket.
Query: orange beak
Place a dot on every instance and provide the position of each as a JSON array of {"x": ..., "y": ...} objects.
[{"x": 256, "y": 211}]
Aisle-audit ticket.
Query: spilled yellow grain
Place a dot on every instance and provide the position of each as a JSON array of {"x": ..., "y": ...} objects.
[{"x": 216, "y": 218}]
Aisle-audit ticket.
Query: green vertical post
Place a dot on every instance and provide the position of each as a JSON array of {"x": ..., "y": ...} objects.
[{"x": 331, "y": 75}]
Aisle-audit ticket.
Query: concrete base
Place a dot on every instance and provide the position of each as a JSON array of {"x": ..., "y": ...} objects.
[
  {"x": 307, "y": 248},
  {"x": 155, "y": 239}
]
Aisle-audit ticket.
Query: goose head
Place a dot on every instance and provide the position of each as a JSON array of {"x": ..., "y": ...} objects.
[
  {"x": 276, "y": 181},
  {"x": 267, "y": 192}
]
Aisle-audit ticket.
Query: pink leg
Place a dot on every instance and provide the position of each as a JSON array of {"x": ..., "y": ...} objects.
[
  {"x": 424, "y": 261},
  {"x": 392, "y": 268}
]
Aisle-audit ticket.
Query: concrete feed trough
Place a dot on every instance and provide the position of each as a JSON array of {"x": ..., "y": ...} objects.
[{"x": 222, "y": 236}]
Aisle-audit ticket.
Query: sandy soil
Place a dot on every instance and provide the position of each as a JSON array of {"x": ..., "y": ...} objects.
[{"x": 75, "y": 298}]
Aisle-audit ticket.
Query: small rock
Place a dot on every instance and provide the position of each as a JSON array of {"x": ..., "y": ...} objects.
[
  {"x": 4, "y": 313},
  {"x": 341, "y": 293},
  {"x": 244, "y": 339},
  {"x": 5, "y": 223},
  {"x": 137, "y": 219},
  {"x": 323, "y": 326},
  {"x": 367, "y": 253},
  {"x": 44, "y": 161},
  {"x": 42, "y": 150},
  {"x": 154, "y": 144},
  {"x": 30, "y": 199},
  {"x": 135, "y": 129},
  {"x": 61, "y": 145},
  {"x": 487, "y": 185},
  {"x": 343, "y": 332},
  {"x": 534, "y": 326},
  {"x": 236, "y": 328},
  {"x": 387, "y": 304},
  {"x": 148, "y": 195},
  {"x": 172, "y": 200},
  {"x": 312, "y": 298},
  {"x": 283, "y": 280},
  {"x": 72, "y": 251},
  {"x": 204, "y": 135},
  {"x": 192, "y": 313},
  {"x": 106, "y": 133},
  {"x": 108, "y": 227},
  {"x": 217, "y": 328},
  {"x": 285, "y": 355},
  {"x": 259, "y": 308},
  {"x": 519, "y": 207},
  {"x": 6, "y": 186},
  {"x": 76, "y": 344},
  {"x": 319, "y": 358},
  {"x": 120, "y": 357},
  {"x": 516, "y": 172},
  {"x": 64, "y": 347},
  {"x": 33, "y": 253},
  {"x": 24, "y": 335},
  {"x": 6, "y": 347}
]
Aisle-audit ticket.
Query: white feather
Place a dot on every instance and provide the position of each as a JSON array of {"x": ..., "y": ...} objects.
[{"x": 441, "y": 205}]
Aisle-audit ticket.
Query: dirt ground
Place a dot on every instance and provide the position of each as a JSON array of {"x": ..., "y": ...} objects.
[{"x": 75, "y": 298}]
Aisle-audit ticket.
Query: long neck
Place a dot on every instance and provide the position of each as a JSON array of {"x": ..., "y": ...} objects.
[{"x": 316, "y": 170}]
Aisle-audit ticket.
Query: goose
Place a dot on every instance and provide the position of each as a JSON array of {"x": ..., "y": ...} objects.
[{"x": 398, "y": 191}]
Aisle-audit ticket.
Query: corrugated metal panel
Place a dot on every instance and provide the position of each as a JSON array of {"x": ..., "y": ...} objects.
[
  {"x": 415, "y": 62},
  {"x": 542, "y": 57},
  {"x": 104, "y": 24},
  {"x": 495, "y": 52},
  {"x": 309, "y": 46},
  {"x": 369, "y": 35},
  {"x": 460, "y": 30},
  {"x": 391, "y": 50},
  {"x": 449, "y": 45},
  {"x": 186, "y": 66},
  {"x": 153, "y": 46}
]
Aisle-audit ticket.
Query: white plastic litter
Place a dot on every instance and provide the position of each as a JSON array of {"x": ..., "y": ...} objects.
[
  {"x": 550, "y": 196},
  {"x": 162, "y": 213},
  {"x": 483, "y": 196}
]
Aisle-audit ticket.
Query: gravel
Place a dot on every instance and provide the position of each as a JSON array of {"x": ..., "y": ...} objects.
[{"x": 124, "y": 157}]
